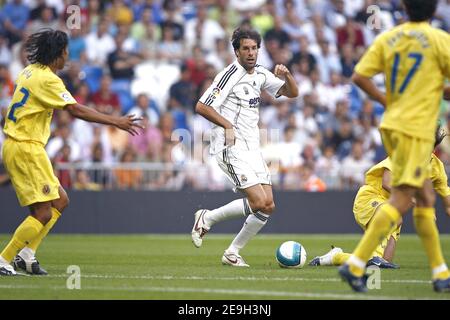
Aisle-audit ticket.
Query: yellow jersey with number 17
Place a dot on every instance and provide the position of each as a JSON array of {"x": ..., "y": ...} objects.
[
  {"x": 415, "y": 58},
  {"x": 37, "y": 93}
]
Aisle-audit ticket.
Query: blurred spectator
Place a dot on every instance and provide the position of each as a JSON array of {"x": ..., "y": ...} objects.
[
  {"x": 105, "y": 100},
  {"x": 5, "y": 52},
  {"x": 328, "y": 167},
  {"x": 277, "y": 34},
  {"x": 181, "y": 93},
  {"x": 73, "y": 77},
  {"x": 83, "y": 182},
  {"x": 77, "y": 46},
  {"x": 310, "y": 182},
  {"x": 99, "y": 44},
  {"x": 120, "y": 13},
  {"x": 61, "y": 157},
  {"x": 170, "y": 23},
  {"x": 14, "y": 17},
  {"x": 41, "y": 5},
  {"x": 202, "y": 31},
  {"x": 6, "y": 87},
  {"x": 170, "y": 50},
  {"x": 59, "y": 141},
  {"x": 354, "y": 167},
  {"x": 121, "y": 63},
  {"x": 128, "y": 178},
  {"x": 290, "y": 160},
  {"x": 118, "y": 139},
  {"x": 146, "y": 106},
  {"x": 148, "y": 143},
  {"x": 46, "y": 19}
]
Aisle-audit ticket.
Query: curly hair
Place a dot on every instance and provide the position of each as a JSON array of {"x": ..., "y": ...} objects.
[
  {"x": 244, "y": 33},
  {"x": 46, "y": 46},
  {"x": 420, "y": 10}
]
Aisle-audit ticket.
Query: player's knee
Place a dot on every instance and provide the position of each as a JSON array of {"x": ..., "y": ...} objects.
[
  {"x": 257, "y": 204},
  {"x": 61, "y": 203},
  {"x": 43, "y": 216},
  {"x": 269, "y": 207}
]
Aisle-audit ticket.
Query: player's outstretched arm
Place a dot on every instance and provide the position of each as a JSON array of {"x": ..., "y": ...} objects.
[
  {"x": 127, "y": 123},
  {"x": 212, "y": 115},
  {"x": 289, "y": 89},
  {"x": 369, "y": 87}
]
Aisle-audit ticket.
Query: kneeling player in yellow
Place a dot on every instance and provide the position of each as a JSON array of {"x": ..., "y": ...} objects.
[
  {"x": 372, "y": 196},
  {"x": 27, "y": 128},
  {"x": 415, "y": 59}
]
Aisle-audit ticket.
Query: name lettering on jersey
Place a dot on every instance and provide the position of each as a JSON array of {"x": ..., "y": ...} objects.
[
  {"x": 254, "y": 102},
  {"x": 418, "y": 35}
]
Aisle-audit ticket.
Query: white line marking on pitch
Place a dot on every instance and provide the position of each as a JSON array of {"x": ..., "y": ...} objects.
[
  {"x": 149, "y": 277},
  {"x": 284, "y": 294}
]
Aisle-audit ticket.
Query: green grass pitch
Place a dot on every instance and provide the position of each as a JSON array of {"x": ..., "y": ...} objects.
[{"x": 169, "y": 267}]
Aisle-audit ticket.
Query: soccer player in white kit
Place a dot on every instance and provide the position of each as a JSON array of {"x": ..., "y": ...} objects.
[{"x": 231, "y": 103}]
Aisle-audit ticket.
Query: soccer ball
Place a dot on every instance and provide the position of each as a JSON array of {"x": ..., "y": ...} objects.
[{"x": 291, "y": 254}]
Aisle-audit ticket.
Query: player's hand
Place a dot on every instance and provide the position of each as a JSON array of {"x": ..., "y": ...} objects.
[
  {"x": 281, "y": 70},
  {"x": 130, "y": 124},
  {"x": 230, "y": 139}
]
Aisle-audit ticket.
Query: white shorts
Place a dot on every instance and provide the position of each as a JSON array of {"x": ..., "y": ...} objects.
[{"x": 244, "y": 168}]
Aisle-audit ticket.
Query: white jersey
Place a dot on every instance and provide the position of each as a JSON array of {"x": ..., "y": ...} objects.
[{"x": 236, "y": 95}]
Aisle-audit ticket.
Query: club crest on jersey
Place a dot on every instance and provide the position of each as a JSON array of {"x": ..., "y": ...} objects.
[
  {"x": 244, "y": 178},
  {"x": 245, "y": 90},
  {"x": 215, "y": 92},
  {"x": 46, "y": 189}
]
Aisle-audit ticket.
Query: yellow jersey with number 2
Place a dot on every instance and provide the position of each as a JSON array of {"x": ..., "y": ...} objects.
[
  {"x": 415, "y": 58},
  {"x": 37, "y": 93}
]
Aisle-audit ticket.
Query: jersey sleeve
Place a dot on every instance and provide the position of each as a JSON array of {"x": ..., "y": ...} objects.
[
  {"x": 54, "y": 94},
  {"x": 444, "y": 54},
  {"x": 440, "y": 178},
  {"x": 218, "y": 91},
  {"x": 371, "y": 62},
  {"x": 272, "y": 84}
]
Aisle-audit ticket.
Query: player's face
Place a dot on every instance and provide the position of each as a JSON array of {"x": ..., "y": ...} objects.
[
  {"x": 247, "y": 54},
  {"x": 63, "y": 59}
]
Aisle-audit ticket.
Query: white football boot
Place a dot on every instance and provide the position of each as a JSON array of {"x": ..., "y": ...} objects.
[
  {"x": 7, "y": 270},
  {"x": 326, "y": 259},
  {"x": 200, "y": 228},
  {"x": 233, "y": 259}
]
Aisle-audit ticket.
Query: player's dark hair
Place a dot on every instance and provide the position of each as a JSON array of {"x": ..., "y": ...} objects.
[
  {"x": 420, "y": 10},
  {"x": 439, "y": 135},
  {"x": 46, "y": 46},
  {"x": 244, "y": 33}
]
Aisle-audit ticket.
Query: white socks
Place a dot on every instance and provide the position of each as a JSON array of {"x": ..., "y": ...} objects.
[
  {"x": 236, "y": 208},
  {"x": 27, "y": 254},
  {"x": 252, "y": 226}
]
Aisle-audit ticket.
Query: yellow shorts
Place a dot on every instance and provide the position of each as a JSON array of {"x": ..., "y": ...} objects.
[
  {"x": 410, "y": 157},
  {"x": 31, "y": 171},
  {"x": 365, "y": 205},
  {"x": 364, "y": 208}
]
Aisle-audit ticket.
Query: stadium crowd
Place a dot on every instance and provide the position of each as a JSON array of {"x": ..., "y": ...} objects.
[{"x": 155, "y": 58}]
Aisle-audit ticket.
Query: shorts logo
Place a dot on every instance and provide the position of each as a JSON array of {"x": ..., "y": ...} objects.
[
  {"x": 418, "y": 172},
  {"x": 374, "y": 204},
  {"x": 46, "y": 189},
  {"x": 244, "y": 178}
]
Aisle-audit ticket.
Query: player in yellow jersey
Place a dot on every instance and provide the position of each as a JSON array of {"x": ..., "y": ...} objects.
[
  {"x": 27, "y": 128},
  {"x": 415, "y": 59},
  {"x": 372, "y": 196}
]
